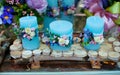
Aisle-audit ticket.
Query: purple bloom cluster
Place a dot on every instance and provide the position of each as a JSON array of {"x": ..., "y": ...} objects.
[{"x": 7, "y": 15}]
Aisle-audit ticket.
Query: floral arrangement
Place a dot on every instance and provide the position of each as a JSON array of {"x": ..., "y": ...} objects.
[
  {"x": 55, "y": 11},
  {"x": 50, "y": 38},
  {"x": 28, "y": 33},
  {"x": 68, "y": 10},
  {"x": 88, "y": 37},
  {"x": 52, "y": 12},
  {"x": 10, "y": 13},
  {"x": 88, "y": 41},
  {"x": 10, "y": 9}
]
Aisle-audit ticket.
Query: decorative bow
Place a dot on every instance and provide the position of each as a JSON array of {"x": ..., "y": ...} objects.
[{"x": 96, "y": 7}]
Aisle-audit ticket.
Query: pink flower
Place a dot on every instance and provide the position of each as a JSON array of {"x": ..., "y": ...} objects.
[
  {"x": 64, "y": 37},
  {"x": 25, "y": 35},
  {"x": 32, "y": 29},
  {"x": 28, "y": 37}
]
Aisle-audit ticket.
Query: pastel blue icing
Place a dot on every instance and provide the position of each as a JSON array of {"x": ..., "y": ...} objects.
[
  {"x": 52, "y": 3},
  {"x": 30, "y": 21},
  {"x": 61, "y": 27},
  {"x": 95, "y": 24}
]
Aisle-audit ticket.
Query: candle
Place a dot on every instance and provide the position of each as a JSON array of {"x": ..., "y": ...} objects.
[
  {"x": 64, "y": 29},
  {"x": 47, "y": 19},
  {"x": 95, "y": 24},
  {"x": 68, "y": 3},
  {"x": 30, "y": 22}
]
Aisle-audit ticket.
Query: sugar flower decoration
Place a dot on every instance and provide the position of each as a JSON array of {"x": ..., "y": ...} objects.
[
  {"x": 27, "y": 30},
  {"x": 28, "y": 33},
  {"x": 63, "y": 41}
]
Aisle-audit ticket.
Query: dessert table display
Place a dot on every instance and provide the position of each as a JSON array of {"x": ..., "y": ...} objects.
[{"x": 96, "y": 46}]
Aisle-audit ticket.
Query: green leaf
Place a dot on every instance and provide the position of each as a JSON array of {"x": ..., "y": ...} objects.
[
  {"x": 117, "y": 21},
  {"x": 88, "y": 13}
]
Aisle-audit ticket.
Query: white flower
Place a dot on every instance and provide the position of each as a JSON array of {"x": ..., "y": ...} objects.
[
  {"x": 61, "y": 41},
  {"x": 28, "y": 30},
  {"x": 66, "y": 42},
  {"x": 32, "y": 34},
  {"x": 70, "y": 11},
  {"x": 55, "y": 12}
]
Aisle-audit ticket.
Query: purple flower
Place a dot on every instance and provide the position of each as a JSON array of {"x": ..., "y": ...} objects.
[
  {"x": 39, "y": 5},
  {"x": 8, "y": 9},
  {"x": 7, "y": 18}
]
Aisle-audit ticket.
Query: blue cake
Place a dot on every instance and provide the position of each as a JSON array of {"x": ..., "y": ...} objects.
[
  {"x": 61, "y": 28},
  {"x": 68, "y": 3},
  {"x": 48, "y": 19},
  {"x": 54, "y": 4},
  {"x": 30, "y": 22}
]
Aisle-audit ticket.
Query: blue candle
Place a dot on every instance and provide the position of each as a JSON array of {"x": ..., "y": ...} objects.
[
  {"x": 68, "y": 3},
  {"x": 30, "y": 22},
  {"x": 47, "y": 19},
  {"x": 61, "y": 28},
  {"x": 95, "y": 24}
]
